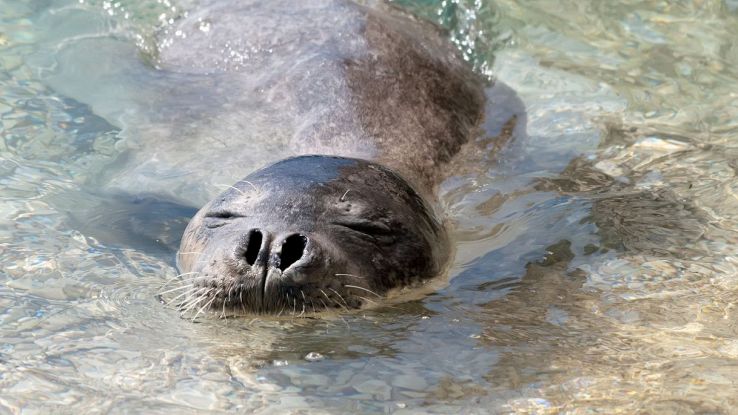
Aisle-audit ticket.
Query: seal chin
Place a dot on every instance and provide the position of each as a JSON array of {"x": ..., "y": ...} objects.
[{"x": 307, "y": 234}]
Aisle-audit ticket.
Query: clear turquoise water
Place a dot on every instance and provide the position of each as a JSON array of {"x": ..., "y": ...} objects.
[{"x": 596, "y": 257}]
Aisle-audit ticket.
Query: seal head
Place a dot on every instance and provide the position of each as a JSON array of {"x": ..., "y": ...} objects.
[{"x": 310, "y": 233}]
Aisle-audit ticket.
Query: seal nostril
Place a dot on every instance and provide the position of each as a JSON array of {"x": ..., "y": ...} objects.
[
  {"x": 252, "y": 251},
  {"x": 292, "y": 249}
]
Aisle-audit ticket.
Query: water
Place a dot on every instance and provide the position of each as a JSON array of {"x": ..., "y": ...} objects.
[{"x": 596, "y": 262}]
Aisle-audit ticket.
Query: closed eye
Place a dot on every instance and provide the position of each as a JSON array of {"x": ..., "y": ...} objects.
[
  {"x": 218, "y": 218},
  {"x": 366, "y": 227},
  {"x": 223, "y": 214}
]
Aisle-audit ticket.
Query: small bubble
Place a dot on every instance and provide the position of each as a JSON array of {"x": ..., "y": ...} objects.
[{"x": 314, "y": 357}]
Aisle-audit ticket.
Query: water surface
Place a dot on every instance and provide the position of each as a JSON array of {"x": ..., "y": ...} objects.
[{"x": 596, "y": 263}]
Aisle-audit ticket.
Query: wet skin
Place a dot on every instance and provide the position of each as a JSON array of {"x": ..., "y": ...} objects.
[{"x": 310, "y": 233}]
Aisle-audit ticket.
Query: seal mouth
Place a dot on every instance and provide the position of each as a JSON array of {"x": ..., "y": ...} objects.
[
  {"x": 233, "y": 298},
  {"x": 289, "y": 274}
]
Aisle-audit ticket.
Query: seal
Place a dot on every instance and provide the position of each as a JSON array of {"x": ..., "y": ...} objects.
[{"x": 379, "y": 102}]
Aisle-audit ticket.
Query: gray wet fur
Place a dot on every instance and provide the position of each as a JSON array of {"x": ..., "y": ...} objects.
[
  {"x": 385, "y": 102},
  {"x": 353, "y": 229}
]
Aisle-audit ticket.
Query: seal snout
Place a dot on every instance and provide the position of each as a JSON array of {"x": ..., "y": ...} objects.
[{"x": 255, "y": 249}]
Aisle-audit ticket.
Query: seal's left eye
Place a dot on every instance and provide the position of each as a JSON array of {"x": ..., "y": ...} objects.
[
  {"x": 218, "y": 218},
  {"x": 370, "y": 228},
  {"x": 222, "y": 214}
]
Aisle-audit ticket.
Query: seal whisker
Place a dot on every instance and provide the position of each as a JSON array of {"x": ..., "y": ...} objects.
[
  {"x": 363, "y": 289},
  {"x": 332, "y": 300},
  {"x": 197, "y": 291},
  {"x": 177, "y": 278},
  {"x": 162, "y": 295},
  {"x": 283, "y": 305},
  {"x": 182, "y": 287},
  {"x": 367, "y": 300},
  {"x": 184, "y": 309},
  {"x": 256, "y": 189},
  {"x": 196, "y": 299},
  {"x": 201, "y": 308},
  {"x": 240, "y": 299},
  {"x": 187, "y": 273},
  {"x": 173, "y": 303},
  {"x": 185, "y": 280},
  {"x": 343, "y": 198},
  {"x": 379, "y": 304},
  {"x": 303, "y": 303},
  {"x": 189, "y": 295},
  {"x": 339, "y": 296},
  {"x": 186, "y": 306},
  {"x": 180, "y": 295},
  {"x": 324, "y": 294},
  {"x": 230, "y": 292},
  {"x": 232, "y": 187},
  {"x": 192, "y": 296},
  {"x": 206, "y": 305},
  {"x": 226, "y": 301}
]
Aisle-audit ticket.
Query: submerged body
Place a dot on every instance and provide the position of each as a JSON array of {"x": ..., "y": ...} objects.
[{"x": 378, "y": 104}]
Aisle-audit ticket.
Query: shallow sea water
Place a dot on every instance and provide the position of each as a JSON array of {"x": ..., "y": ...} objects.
[{"x": 596, "y": 264}]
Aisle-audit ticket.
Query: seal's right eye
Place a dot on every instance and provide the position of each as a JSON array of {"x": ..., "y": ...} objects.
[
  {"x": 222, "y": 214},
  {"x": 366, "y": 227},
  {"x": 218, "y": 218}
]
